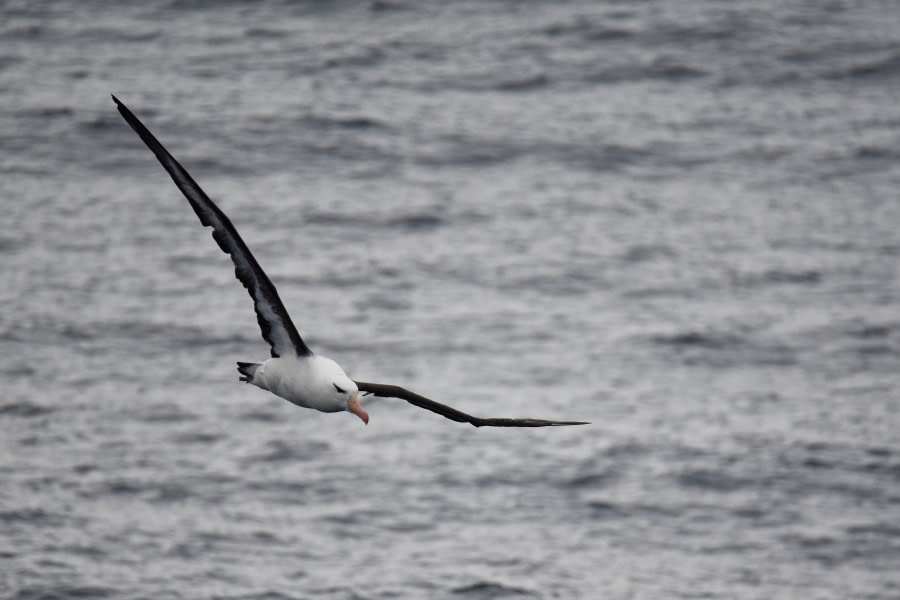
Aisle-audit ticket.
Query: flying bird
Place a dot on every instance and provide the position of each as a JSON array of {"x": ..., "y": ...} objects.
[{"x": 293, "y": 371}]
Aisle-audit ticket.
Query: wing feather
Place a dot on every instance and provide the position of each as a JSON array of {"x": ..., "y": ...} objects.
[
  {"x": 394, "y": 391},
  {"x": 274, "y": 321}
]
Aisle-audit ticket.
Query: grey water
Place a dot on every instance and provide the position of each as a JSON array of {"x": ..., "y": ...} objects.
[{"x": 677, "y": 220}]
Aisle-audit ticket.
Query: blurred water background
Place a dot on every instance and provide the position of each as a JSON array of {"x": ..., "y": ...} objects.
[{"x": 677, "y": 220}]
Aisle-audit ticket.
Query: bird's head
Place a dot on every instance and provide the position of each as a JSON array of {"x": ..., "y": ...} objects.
[{"x": 349, "y": 393}]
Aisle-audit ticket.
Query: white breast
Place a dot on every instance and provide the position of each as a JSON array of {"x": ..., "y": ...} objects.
[{"x": 306, "y": 381}]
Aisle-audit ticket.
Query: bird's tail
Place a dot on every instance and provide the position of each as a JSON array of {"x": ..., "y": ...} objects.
[{"x": 247, "y": 370}]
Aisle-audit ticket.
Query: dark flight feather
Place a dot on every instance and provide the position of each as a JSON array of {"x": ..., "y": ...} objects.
[
  {"x": 393, "y": 391},
  {"x": 274, "y": 322}
]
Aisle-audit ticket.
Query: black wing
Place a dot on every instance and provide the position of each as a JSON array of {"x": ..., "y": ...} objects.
[
  {"x": 274, "y": 321},
  {"x": 394, "y": 391}
]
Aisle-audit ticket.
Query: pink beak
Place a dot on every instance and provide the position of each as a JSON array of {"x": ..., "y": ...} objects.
[{"x": 356, "y": 408}]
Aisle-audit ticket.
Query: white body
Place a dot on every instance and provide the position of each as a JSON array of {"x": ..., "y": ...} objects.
[{"x": 307, "y": 381}]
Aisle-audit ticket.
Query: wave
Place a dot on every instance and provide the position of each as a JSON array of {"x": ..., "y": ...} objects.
[
  {"x": 696, "y": 339},
  {"x": 281, "y": 451},
  {"x": 147, "y": 334},
  {"x": 266, "y": 595},
  {"x": 588, "y": 30},
  {"x": 712, "y": 480},
  {"x": 490, "y": 589},
  {"x": 661, "y": 68},
  {"x": 778, "y": 277},
  {"x": 31, "y": 517},
  {"x": 727, "y": 349},
  {"x": 60, "y": 592},
  {"x": 24, "y": 409},
  {"x": 879, "y": 69}
]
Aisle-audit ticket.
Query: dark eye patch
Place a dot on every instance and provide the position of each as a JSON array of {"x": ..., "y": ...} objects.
[{"x": 340, "y": 391}]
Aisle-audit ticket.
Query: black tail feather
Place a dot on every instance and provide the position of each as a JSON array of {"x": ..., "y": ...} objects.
[{"x": 247, "y": 370}]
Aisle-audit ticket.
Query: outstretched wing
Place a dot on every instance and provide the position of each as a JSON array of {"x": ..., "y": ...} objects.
[
  {"x": 394, "y": 391},
  {"x": 274, "y": 321}
]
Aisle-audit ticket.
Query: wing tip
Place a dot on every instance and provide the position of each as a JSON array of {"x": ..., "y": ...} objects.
[{"x": 523, "y": 423}]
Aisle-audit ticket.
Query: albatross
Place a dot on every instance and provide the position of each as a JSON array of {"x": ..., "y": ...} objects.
[{"x": 293, "y": 371}]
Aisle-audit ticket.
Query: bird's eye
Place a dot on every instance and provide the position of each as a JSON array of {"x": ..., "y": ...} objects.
[{"x": 340, "y": 391}]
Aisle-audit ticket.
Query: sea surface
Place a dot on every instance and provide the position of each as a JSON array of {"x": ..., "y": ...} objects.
[{"x": 677, "y": 220}]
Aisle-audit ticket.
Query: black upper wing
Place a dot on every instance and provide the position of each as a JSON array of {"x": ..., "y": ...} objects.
[
  {"x": 394, "y": 391},
  {"x": 274, "y": 321}
]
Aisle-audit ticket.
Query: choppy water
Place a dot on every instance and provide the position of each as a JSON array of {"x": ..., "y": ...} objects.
[{"x": 677, "y": 220}]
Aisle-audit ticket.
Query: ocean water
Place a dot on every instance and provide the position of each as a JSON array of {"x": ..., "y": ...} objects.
[{"x": 677, "y": 220}]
